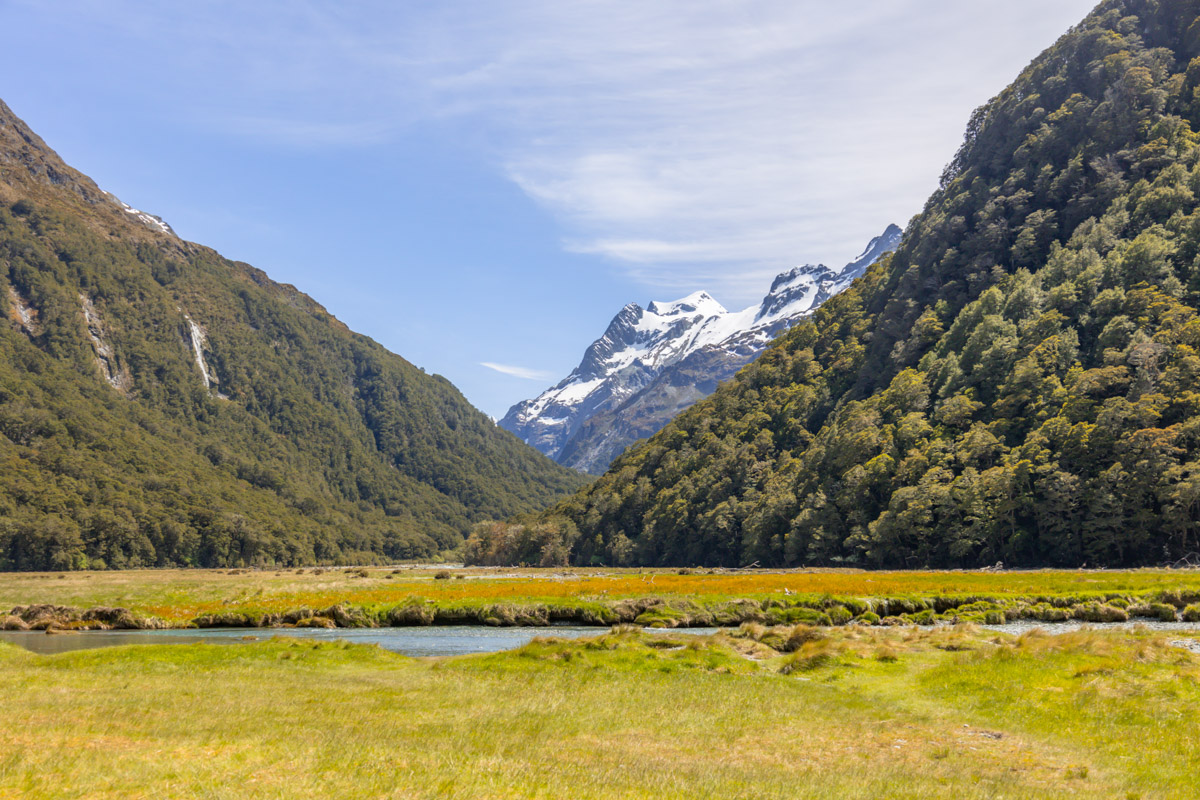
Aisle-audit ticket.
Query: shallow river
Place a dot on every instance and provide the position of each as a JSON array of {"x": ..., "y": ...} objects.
[
  {"x": 449, "y": 640},
  {"x": 1024, "y": 625}
]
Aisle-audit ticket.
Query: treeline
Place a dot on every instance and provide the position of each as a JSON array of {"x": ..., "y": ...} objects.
[{"x": 1019, "y": 382}]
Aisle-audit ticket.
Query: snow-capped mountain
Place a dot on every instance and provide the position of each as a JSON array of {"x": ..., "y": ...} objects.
[{"x": 652, "y": 363}]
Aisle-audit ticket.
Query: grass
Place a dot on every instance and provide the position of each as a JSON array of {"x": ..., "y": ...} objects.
[
  {"x": 179, "y": 596},
  {"x": 852, "y": 713}
]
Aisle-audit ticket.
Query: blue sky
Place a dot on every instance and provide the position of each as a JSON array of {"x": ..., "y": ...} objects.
[{"x": 481, "y": 186}]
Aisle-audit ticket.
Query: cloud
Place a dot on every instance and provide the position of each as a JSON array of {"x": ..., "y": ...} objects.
[
  {"x": 679, "y": 140},
  {"x": 518, "y": 372},
  {"x": 713, "y": 144}
]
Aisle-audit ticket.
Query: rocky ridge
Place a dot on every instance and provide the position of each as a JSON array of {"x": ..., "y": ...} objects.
[{"x": 652, "y": 363}]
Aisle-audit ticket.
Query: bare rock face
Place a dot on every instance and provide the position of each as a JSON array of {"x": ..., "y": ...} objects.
[{"x": 653, "y": 363}]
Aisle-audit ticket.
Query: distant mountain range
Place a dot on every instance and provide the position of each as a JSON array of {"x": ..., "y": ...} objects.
[{"x": 652, "y": 363}]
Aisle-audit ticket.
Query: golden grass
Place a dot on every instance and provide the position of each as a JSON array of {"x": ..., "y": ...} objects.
[
  {"x": 180, "y": 595},
  {"x": 956, "y": 714}
]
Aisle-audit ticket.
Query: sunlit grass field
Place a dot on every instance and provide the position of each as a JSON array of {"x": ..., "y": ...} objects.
[
  {"x": 181, "y": 595},
  {"x": 850, "y": 713}
]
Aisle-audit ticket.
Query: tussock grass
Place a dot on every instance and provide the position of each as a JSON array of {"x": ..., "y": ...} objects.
[
  {"x": 602, "y": 597},
  {"x": 856, "y": 712}
]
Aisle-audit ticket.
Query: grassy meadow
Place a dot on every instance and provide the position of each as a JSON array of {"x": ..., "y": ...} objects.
[
  {"x": 761, "y": 711},
  {"x": 767, "y": 713},
  {"x": 180, "y": 596}
]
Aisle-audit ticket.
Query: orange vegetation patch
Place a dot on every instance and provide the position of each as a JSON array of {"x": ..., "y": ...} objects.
[{"x": 530, "y": 586}]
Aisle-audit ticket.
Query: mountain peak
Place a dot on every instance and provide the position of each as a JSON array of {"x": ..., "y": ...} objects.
[
  {"x": 696, "y": 302},
  {"x": 26, "y": 159},
  {"x": 28, "y": 163},
  {"x": 666, "y": 356},
  {"x": 884, "y": 243}
]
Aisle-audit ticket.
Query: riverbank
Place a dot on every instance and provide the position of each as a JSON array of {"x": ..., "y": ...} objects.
[
  {"x": 802, "y": 712},
  {"x": 378, "y": 597}
]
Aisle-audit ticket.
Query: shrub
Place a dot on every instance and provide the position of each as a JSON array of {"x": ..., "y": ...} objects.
[
  {"x": 795, "y": 615},
  {"x": 1048, "y": 613},
  {"x": 1159, "y": 611},
  {"x": 662, "y": 616},
  {"x": 857, "y": 607},
  {"x": 411, "y": 613},
  {"x": 1099, "y": 612},
  {"x": 806, "y": 662},
  {"x": 839, "y": 615},
  {"x": 442, "y": 575},
  {"x": 800, "y": 636},
  {"x": 1192, "y": 613}
]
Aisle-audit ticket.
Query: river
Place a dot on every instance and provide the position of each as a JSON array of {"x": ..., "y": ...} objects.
[{"x": 445, "y": 640}]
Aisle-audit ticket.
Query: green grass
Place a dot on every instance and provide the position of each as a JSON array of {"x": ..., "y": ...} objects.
[
  {"x": 852, "y": 713},
  {"x": 786, "y": 596}
]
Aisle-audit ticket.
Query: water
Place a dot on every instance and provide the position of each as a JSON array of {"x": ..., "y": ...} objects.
[
  {"x": 1025, "y": 625},
  {"x": 449, "y": 640}
]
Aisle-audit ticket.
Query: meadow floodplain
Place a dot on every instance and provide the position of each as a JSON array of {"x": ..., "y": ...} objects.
[
  {"x": 375, "y": 596},
  {"x": 761, "y": 712}
]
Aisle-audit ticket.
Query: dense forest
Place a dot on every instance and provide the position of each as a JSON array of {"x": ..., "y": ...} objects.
[
  {"x": 161, "y": 405},
  {"x": 1019, "y": 382}
]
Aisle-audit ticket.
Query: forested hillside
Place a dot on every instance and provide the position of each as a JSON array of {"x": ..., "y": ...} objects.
[
  {"x": 161, "y": 405},
  {"x": 1020, "y": 381}
]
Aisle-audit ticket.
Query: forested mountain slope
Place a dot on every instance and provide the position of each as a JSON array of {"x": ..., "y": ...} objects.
[
  {"x": 160, "y": 404},
  {"x": 1019, "y": 381}
]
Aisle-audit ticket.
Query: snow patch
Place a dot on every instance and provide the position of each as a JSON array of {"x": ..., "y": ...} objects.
[{"x": 151, "y": 221}]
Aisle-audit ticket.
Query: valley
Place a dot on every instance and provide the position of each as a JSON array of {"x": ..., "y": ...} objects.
[
  {"x": 954, "y": 713},
  {"x": 926, "y": 526}
]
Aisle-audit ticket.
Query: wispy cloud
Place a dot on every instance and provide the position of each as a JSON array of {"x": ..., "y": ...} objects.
[
  {"x": 729, "y": 141},
  {"x": 518, "y": 372},
  {"x": 680, "y": 140}
]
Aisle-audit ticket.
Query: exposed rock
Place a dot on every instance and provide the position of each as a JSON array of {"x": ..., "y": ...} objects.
[
  {"x": 416, "y": 613},
  {"x": 295, "y": 615},
  {"x": 349, "y": 617},
  {"x": 119, "y": 618},
  {"x": 110, "y": 366},
  {"x": 11, "y": 623}
]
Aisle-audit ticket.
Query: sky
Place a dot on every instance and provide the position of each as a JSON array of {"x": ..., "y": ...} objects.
[{"x": 481, "y": 186}]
